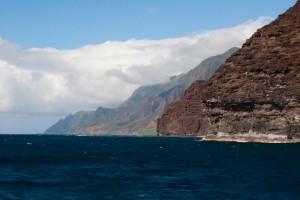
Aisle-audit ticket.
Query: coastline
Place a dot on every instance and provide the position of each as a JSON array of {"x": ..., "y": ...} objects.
[{"x": 259, "y": 138}]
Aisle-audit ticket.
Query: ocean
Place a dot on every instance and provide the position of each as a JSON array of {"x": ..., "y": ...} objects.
[{"x": 72, "y": 167}]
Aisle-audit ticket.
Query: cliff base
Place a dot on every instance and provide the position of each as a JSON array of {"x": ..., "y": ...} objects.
[{"x": 250, "y": 137}]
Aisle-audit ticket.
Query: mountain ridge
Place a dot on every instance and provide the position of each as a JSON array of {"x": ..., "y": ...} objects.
[{"x": 138, "y": 114}]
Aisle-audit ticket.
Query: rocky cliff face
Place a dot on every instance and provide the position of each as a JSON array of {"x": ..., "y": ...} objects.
[
  {"x": 256, "y": 93},
  {"x": 185, "y": 116}
]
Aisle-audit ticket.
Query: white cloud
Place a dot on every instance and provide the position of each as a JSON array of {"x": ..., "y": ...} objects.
[{"x": 52, "y": 81}]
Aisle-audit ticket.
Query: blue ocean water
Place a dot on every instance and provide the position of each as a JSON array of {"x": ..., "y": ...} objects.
[{"x": 69, "y": 167}]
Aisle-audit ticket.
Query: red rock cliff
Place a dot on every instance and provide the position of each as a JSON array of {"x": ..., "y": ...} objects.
[
  {"x": 184, "y": 117},
  {"x": 256, "y": 93}
]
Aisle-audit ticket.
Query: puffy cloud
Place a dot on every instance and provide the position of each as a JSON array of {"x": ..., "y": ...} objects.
[{"x": 52, "y": 81}]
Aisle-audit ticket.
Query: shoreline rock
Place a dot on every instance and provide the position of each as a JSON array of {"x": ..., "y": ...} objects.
[{"x": 248, "y": 138}]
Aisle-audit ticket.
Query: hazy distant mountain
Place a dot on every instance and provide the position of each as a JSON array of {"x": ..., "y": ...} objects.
[
  {"x": 138, "y": 114},
  {"x": 203, "y": 71}
]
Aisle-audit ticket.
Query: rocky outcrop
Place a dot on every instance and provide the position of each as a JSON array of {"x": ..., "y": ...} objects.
[
  {"x": 255, "y": 95},
  {"x": 257, "y": 91}
]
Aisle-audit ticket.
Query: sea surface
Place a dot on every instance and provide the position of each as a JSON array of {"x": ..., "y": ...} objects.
[{"x": 72, "y": 167}]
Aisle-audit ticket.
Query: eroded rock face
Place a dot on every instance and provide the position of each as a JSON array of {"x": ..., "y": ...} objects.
[
  {"x": 257, "y": 91},
  {"x": 254, "y": 96},
  {"x": 184, "y": 117}
]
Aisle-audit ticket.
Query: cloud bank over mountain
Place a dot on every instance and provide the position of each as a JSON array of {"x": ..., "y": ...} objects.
[{"x": 50, "y": 81}]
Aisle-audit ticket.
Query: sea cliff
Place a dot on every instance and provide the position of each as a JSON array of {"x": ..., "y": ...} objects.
[{"x": 254, "y": 96}]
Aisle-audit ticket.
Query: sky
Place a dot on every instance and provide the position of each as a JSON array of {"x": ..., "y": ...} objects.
[{"x": 61, "y": 56}]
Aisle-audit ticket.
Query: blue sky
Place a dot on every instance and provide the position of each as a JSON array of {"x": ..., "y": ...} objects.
[
  {"x": 66, "y": 24},
  {"x": 61, "y": 56}
]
